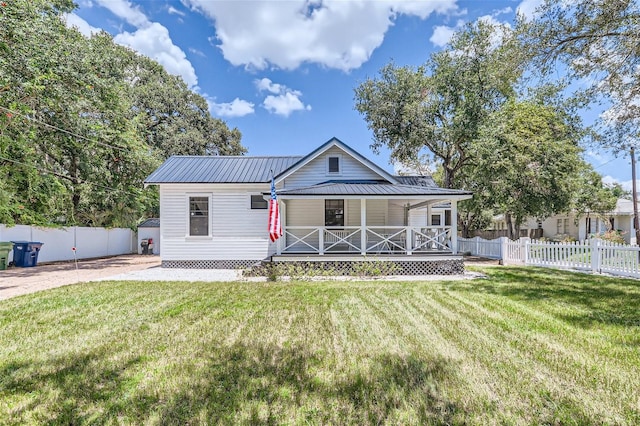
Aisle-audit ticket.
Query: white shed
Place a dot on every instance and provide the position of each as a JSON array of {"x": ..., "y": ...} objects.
[{"x": 149, "y": 229}]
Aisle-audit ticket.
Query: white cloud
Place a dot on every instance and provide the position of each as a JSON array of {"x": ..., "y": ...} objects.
[
  {"x": 627, "y": 185},
  {"x": 442, "y": 34},
  {"x": 283, "y": 101},
  {"x": 73, "y": 20},
  {"x": 197, "y": 52},
  {"x": 127, "y": 11},
  {"x": 154, "y": 41},
  {"x": 173, "y": 11},
  {"x": 235, "y": 108},
  {"x": 268, "y": 85},
  {"x": 528, "y": 8},
  {"x": 284, "y": 104},
  {"x": 286, "y": 34}
]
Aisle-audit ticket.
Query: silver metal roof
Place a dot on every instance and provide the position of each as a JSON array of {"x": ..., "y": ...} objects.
[
  {"x": 219, "y": 169},
  {"x": 417, "y": 180},
  {"x": 150, "y": 223},
  {"x": 386, "y": 189}
]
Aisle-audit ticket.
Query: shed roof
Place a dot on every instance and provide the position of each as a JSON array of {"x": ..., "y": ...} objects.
[
  {"x": 220, "y": 169},
  {"x": 150, "y": 223}
]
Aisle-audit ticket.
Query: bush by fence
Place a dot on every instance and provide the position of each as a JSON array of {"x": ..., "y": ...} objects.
[
  {"x": 595, "y": 255},
  {"x": 59, "y": 242}
]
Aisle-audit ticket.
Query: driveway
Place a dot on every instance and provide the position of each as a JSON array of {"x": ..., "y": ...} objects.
[{"x": 18, "y": 281}]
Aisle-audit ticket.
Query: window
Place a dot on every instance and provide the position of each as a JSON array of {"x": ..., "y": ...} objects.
[
  {"x": 198, "y": 216},
  {"x": 333, "y": 165},
  {"x": 333, "y": 212},
  {"x": 447, "y": 218},
  {"x": 257, "y": 202},
  {"x": 566, "y": 226},
  {"x": 435, "y": 219},
  {"x": 559, "y": 229}
]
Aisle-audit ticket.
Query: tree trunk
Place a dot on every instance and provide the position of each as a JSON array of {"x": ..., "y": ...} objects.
[{"x": 513, "y": 228}]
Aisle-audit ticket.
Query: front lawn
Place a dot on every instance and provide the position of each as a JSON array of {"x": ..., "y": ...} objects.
[{"x": 525, "y": 346}]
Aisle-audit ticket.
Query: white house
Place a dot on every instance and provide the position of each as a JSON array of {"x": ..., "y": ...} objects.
[
  {"x": 579, "y": 227},
  {"x": 334, "y": 203}
]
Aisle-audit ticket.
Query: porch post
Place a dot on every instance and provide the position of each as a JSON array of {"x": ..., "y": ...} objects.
[
  {"x": 454, "y": 226},
  {"x": 283, "y": 223},
  {"x": 363, "y": 226}
]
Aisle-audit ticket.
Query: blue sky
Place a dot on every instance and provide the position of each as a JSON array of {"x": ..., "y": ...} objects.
[{"x": 283, "y": 71}]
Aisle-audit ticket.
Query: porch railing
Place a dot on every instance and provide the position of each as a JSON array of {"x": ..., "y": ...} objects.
[{"x": 376, "y": 239}]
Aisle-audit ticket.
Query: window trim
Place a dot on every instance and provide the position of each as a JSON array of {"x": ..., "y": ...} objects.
[
  {"x": 266, "y": 202},
  {"x": 340, "y": 165},
  {"x": 210, "y": 216},
  {"x": 344, "y": 212}
]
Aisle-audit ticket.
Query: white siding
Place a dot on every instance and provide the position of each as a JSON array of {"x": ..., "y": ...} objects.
[
  {"x": 377, "y": 212},
  {"x": 316, "y": 170},
  {"x": 238, "y": 232},
  {"x": 305, "y": 212},
  {"x": 396, "y": 215}
]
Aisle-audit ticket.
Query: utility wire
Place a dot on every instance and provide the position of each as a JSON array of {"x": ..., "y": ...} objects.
[
  {"x": 62, "y": 130},
  {"x": 75, "y": 180}
]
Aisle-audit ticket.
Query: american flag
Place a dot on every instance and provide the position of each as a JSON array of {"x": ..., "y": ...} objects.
[{"x": 275, "y": 227}]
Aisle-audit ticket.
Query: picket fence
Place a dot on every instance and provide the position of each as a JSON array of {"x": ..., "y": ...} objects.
[
  {"x": 58, "y": 243},
  {"x": 591, "y": 255}
]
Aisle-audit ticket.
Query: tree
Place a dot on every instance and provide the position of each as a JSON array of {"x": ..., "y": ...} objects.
[
  {"x": 599, "y": 42},
  {"x": 440, "y": 106},
  {"x": 528, "y": 163},
  {"x": 83, "y": 122}
]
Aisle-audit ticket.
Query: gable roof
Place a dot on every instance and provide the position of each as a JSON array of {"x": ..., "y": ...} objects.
[
  {"x": 219, "y": 169},
  {"x": 326, "y": 146}
]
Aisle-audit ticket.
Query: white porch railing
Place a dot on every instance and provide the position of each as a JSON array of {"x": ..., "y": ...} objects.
[{"x": 376, "y": 239}]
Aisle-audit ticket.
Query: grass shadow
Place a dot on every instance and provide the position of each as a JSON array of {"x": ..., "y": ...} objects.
[{"x": 250, "y": 384}]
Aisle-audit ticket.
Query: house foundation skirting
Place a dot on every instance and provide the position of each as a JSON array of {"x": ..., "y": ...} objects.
[
  {"x": 367, "y": 268},
  {"x": 209, "y": 264},
  {"x": 451, "y": 266}
]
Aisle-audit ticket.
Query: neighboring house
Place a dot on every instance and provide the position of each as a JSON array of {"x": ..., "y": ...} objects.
[
  {"x": 580, "y": 227},
  {"x": 333, "y": 202}
]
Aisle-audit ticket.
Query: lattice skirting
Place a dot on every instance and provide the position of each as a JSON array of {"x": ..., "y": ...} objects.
[
  {"x": 356, "y": 268},
  {"x": 209, "y": 264}
]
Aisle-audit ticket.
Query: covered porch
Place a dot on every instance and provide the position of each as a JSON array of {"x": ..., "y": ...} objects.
[{"x": 350, "y": 225}]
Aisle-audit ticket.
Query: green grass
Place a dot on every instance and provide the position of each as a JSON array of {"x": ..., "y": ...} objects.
[{"x": 525, "y": 346}]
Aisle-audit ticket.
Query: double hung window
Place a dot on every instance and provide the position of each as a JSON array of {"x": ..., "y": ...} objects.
[{"x": 199, "y": 216}]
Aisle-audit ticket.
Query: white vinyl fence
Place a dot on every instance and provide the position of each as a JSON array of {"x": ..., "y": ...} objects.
[
  {"x": 58, "y": 243},
  {"x": 592, "y": 255}
]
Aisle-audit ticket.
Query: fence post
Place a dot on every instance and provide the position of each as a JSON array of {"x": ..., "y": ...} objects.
[
  {"x": 504, "y": 250},
  {"x": 595, "y": 255},
  {"x": 524, "y": 249},
  {"x": 477, "y": 252}
]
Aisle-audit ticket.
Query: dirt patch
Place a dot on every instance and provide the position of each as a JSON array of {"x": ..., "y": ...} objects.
[{"x": 18, "y": 281}]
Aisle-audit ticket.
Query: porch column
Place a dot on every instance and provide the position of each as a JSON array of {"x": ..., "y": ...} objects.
[
  {"x": 280, "y": 242},
  {"x": 363, "y": 226},
  {"x": 454, "y": 226}
]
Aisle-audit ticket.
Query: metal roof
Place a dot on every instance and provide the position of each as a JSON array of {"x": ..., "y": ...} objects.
[
  {"x": 219, "y": 169},
  {"x": 417, "y": 181},
  {"x": 150, "y": 223},
  {"x": 385, "y": 189}
]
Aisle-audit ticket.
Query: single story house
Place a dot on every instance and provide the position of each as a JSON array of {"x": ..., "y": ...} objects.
[
  {"x": 334, "y": 203},
  {"x": 579, "y": 227}
]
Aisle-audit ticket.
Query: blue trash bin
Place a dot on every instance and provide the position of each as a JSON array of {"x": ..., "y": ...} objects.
[{"x": 25, "y": 253}]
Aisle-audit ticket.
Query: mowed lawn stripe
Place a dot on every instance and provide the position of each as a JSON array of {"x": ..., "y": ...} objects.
[
  {"x": 471, "y": 352},
  {"x": 568, "y": 367}
]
